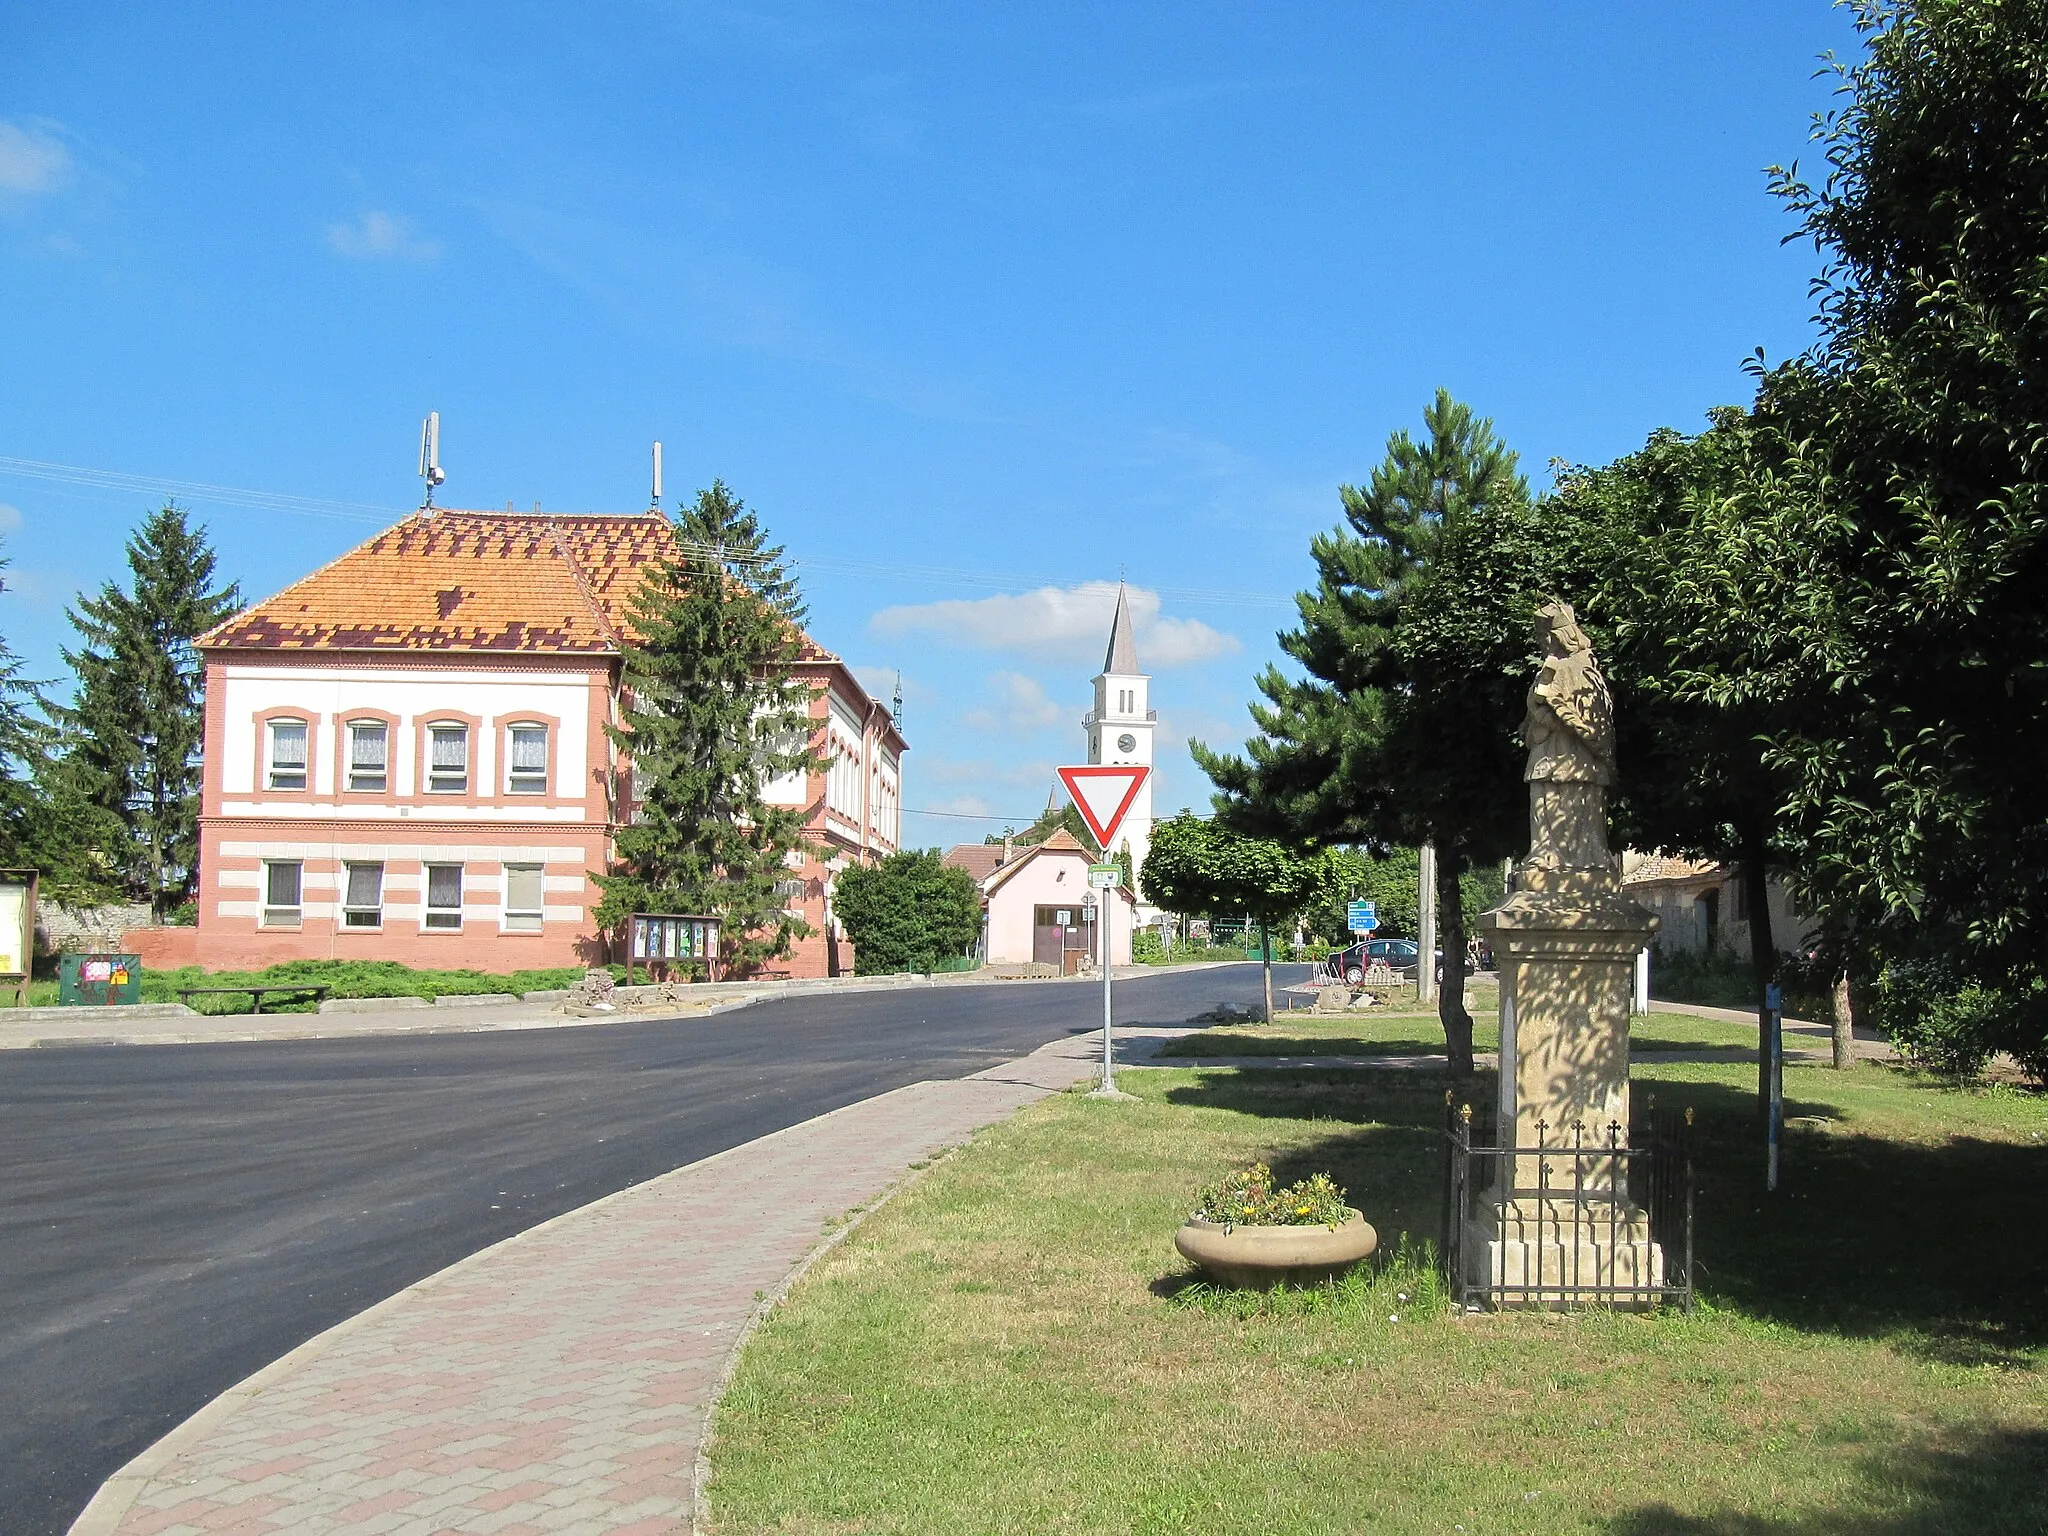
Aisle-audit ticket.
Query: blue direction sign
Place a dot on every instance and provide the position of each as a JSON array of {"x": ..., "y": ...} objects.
[{"x": 1364, "y": 916}]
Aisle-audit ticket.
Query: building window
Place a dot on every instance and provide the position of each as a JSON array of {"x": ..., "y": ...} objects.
[
  {"x": 369, "y": 754},
  {"x": 444, "y": 895},
  {"x": 522, "y": 898},
  {"x": 287, "y": 754},
  {"x": 282, "y": 881},
  {"x": 362, "y": 903},
  {"x": 448, "y": 758},
  {"x": 528, "y": 772}
]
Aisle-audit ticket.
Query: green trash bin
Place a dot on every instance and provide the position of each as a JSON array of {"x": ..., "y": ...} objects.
[{"x": 93, "y": 981}]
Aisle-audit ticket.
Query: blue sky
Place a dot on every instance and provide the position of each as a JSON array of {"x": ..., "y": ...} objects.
[{"x": 978, "y": 306}]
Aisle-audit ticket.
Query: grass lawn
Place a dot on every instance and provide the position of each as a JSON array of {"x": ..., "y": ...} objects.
[
  {"x": 1013, "y": 1344},
  {"x": 1407, "y": 1033}
]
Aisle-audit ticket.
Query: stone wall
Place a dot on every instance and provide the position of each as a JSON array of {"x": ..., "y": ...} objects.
[{"x": 61, "y": 929}]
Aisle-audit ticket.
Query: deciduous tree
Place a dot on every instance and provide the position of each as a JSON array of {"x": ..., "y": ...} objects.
[
  {"x": 907, "y": 912},
  {"x": 1205, "y": 870}
]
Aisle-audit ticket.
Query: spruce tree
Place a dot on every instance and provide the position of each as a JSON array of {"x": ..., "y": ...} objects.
[
  {"x": 133, "y": 732},
  {"x": 712, "y": 714}
]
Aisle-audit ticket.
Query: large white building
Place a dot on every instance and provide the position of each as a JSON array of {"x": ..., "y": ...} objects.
[
  {"x": 406, "y": 756},
  {"x": 1120, "y": 726}
]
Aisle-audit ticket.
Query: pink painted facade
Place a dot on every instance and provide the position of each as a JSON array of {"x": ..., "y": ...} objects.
[
  {"x": 1034, "y": 903},
  {"x": 405, "y": 754}
]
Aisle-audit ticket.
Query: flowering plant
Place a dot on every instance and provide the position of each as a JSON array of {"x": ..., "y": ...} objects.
[{"x": 1247, "y": 1197}]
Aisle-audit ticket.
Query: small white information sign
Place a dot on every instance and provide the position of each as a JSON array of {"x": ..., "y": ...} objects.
[{"x": 1105, "y": 877}]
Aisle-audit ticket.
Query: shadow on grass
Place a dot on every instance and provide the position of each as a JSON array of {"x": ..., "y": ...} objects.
[
  {"x": 1935, "y": 1246},
  {"x": 1990, "y": 1483},
  {"x": 1281, "y": 1044}
]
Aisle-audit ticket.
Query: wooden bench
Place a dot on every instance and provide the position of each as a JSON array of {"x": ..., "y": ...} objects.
[{"x": 256, "y": 994}]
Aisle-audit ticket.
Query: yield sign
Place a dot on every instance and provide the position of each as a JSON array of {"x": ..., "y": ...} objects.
[{"x": 1104, "y": 792}]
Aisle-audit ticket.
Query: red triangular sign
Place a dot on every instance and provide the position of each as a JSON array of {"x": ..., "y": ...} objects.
[{"x": 1104, "y": 792}]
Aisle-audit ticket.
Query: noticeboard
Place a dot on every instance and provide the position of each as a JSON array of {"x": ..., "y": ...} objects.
[
  {"x": 17, "y": 931},
  {"x": 670, "y": 939}
]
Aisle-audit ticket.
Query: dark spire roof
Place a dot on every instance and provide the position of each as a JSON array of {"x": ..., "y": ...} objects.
[{"x": 1122, "y": 659}]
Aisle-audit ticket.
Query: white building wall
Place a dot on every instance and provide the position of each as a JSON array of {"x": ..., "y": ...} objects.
[{"x": 328, "y": 697}]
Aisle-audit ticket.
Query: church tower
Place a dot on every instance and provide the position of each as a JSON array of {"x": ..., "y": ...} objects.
[{"x": 1120, "y": 725}]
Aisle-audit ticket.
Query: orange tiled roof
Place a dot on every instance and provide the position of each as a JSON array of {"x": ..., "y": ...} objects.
[{"x": 469, "y": 581}]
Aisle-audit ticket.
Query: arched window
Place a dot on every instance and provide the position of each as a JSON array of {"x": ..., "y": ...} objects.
[
  {"x": 288, "y": 754},
  {"x": 526, "y": 771},
  {"x": 448, "y": 759},
  {"x": 369, "y": 754}
]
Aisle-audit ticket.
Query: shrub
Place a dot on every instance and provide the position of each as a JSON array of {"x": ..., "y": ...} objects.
[
  {"x": 1246, "y": 1197},
  {"x": 910, "y": 912}
]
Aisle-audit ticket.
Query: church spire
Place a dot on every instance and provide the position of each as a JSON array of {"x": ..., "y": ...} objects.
[{"x": 1122, "y": 660}]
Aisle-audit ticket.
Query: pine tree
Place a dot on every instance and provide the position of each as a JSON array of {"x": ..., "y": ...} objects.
[
  {"x": 133, "y": 732},
  {"x": 24, "y": 747},
  {"x": 712, "y": 714},
  {"x": 1414, "y": 646}
]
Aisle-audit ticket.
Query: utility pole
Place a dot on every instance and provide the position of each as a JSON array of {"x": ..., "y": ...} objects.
[{"x": 1425, "y": 962}]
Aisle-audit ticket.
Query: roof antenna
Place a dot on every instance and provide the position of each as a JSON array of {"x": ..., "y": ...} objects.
[
  {"x": 896, "y": 710},
  {"x": 430, "y": 457},
  {"x": 656, "y": 504}
]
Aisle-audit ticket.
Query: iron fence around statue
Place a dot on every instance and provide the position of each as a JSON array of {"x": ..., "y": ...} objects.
[{"x": 1575, "y": 1170}]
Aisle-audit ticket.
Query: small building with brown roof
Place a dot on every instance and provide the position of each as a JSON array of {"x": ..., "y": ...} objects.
[{"x": 405, "y": 756}]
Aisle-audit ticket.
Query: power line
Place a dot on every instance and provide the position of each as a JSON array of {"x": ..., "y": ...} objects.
[{"x": 1012, "y": 582}]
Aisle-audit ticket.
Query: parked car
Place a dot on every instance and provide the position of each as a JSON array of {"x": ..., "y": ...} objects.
[{"x": 1399, "y": 954}]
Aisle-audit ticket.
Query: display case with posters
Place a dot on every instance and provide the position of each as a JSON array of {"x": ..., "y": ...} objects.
[{"x": 17, "y": 932}]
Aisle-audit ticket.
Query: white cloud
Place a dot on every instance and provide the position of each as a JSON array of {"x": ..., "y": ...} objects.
[
  {"x": 378, "y": 236},
  {"x": 10, "y": 518},
  {"x": 31, "y": 160},
  {"x": 1060, "y": 624},
  {"x": 1016, "y": 703}
]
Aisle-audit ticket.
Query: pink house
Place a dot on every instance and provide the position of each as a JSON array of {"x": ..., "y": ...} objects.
[
  {"x": 1037, "y": 906},
  {"x": 405, "y": 756}
]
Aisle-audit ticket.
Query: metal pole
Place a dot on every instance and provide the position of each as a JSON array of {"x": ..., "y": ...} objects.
[
  {"x": 1774, "y": 1006},
  {"x": 1425, "y": 962},
  {"x": 1108, "y": 1052}
]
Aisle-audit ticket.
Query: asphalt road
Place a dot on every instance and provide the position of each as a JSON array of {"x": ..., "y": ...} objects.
[{"x": 173, "y": 1218}]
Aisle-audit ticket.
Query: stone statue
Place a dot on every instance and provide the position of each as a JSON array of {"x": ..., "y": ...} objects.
[{"x": 1569, "y": 730}]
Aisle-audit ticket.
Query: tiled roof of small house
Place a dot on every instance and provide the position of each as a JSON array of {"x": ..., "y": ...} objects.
[
  {"x": 980, "y": 860},
  {"x": 1061, "y": 841},
  {"x": 470, "y": 581}
]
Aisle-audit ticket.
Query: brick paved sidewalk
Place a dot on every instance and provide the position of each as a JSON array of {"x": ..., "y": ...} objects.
[{"x": 559, "y": 1381}]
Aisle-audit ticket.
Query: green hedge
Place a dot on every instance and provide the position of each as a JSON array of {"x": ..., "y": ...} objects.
[{"x": 342, "y": 978}]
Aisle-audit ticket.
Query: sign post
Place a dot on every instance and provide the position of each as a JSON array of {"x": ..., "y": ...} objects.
[
  {"x": 1104, "y": 794},
  {"x": 1774, "y": 1061}
]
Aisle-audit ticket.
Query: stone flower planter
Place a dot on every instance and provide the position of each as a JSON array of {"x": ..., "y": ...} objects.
[{"x": 1261, "y": 1257}]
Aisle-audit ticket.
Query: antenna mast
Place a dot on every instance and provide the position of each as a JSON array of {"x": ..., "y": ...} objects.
[
  {"x": 656, "y": 505},
  {"x": 896, "y": 712},
  {"x": 430, "y": 457}
]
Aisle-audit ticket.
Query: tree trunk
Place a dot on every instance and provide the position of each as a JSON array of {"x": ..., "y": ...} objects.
[
  {"x": 1763, "y": 958},
  {"x": 1845, "y": 1024},
  {"x": 1266, "y": 954},
  {"x": 1450, "y": 996}
]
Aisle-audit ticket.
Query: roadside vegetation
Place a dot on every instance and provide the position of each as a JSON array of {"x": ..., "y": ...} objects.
[
  {"x": 343, "y": 978},
  {"x": 1012, "y": 1344}
]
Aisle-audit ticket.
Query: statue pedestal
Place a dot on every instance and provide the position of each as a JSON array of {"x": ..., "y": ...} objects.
[{"x": 1560, "y": 1219}]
